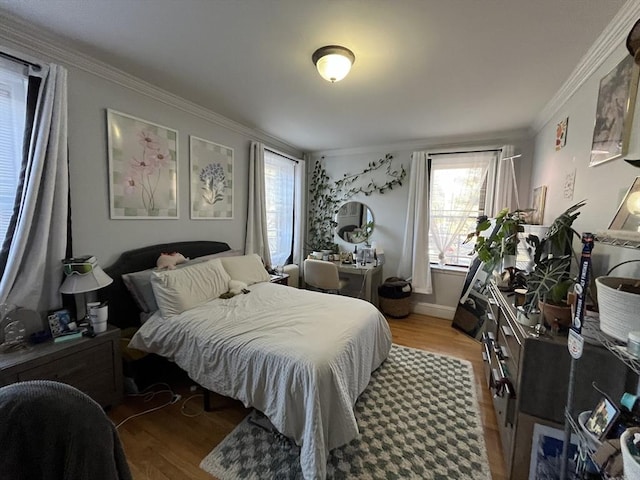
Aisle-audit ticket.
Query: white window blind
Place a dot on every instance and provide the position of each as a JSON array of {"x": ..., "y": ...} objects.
[
  {"x": 279, "y": 173},
  {"x": 13, "y": 94},
  {"x": 461, "y": 186}
]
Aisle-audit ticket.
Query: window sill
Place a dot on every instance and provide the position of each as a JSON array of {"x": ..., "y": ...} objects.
[{"x": 449, "y": 269}]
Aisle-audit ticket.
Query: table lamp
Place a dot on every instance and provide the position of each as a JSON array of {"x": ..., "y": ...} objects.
[{"x": 83, "y": 274}]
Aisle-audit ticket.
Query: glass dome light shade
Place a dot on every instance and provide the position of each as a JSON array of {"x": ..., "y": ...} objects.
[{"x": 333, "y": 62}]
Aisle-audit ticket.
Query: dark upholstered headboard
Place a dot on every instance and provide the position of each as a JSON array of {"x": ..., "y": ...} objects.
[{"x": 123, "y": 312}]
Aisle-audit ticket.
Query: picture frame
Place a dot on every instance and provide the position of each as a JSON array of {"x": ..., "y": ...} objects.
[
  {"x": 539, "y": 197},
  {"x": 546, "y": 452},
  {"x": 211, "y": 180},
  {"x": 614, "y": 112},
  {"x": 602, "y": 418},
  {"x": 627, "y": 216},
  {"x": 143, "y": 168},
  {"x": 561, "y": 133}
]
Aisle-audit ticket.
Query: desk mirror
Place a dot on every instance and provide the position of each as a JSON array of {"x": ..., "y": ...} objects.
[{"x": 350, "y": 222}]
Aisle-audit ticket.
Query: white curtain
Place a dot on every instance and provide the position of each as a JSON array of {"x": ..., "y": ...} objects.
[
  {"x": 463, "y": 175},
  {"x": 257, "y": 240},
  {"x": 279, "y": 195},
  {"x": 33, "y": 269},
  {"x": 505, "y": 182},
  {"x": 414, "y": 259},
  {"x": 299, "y": 212}
]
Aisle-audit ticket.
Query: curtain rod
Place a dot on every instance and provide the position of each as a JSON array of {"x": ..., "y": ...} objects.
[
  {"x": 282, "y": 155},
  {"x": 26, "y": 63},
  {"x": 468, "y": 151}
]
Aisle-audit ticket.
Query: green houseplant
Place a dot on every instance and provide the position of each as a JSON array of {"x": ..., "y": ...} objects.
[
  {"x": 494, "y": 250},
  {"x": 551, "y": 279}
]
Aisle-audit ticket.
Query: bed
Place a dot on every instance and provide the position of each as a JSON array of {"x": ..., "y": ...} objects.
[{"x": 300, "y": 357}]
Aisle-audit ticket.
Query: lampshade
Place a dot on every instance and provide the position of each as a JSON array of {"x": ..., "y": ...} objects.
[
  {"x": 333, "y": 62},
  {"x": 86, "y": 282}
]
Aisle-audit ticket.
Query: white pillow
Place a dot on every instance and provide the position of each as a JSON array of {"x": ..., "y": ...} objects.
[
  {"x": 181, "y": 289},
  {"x": 246, "y": 268}
]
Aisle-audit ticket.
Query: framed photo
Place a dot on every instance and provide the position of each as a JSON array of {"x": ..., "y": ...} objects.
[
  {"x": 143, "y": 168},
  {"x": 614, "y": 112},
  {"x": 561, "y": 134},
  {"x": 628, "y": 215},
  {"x": 537, "y": 215},
  {"x": 546, "y": 453},
  {"x": 602, "y": 418},
  {"x": 211, "y": 177}
]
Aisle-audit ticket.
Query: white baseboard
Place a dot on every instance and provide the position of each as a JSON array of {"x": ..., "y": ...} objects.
[{"x": 433, "y": 310}]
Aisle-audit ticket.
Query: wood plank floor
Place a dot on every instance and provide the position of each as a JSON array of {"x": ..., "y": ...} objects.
[{"x": 166, "y": 444}]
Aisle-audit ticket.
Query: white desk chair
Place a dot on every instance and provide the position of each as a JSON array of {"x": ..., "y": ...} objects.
[{"x": 323, "y": 276}]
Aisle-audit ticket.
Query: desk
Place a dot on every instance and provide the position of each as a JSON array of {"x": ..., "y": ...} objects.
[{"x": 363, "y": 280}]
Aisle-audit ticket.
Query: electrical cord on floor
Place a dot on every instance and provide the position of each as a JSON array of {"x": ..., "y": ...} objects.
[
  {"x": 184, "y": 404},
  {"x": 150, "y": 395}
]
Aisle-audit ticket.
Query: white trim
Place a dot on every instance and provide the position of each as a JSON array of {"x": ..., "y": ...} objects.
[
  {"x": 23, "y": 34},
  {"x": 495, "y": 140},
  {"x": 610, "y": 39},
  {"x": 433, "y": 310}
]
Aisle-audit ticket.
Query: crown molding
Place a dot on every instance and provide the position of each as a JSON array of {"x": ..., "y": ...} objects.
[
  {"x": 610, "y": 39},
  {"x": 492, "y": 140},
  {"x": 23, "y": 34}
]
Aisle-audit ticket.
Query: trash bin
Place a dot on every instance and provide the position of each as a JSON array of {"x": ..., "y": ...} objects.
[{"x": 395, "y": 297}]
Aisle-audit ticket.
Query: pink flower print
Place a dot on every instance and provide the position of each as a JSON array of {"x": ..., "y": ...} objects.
[
  {"x": 148, "y": 140},
  {"x": 159, "y": 158},
  {"x": 129, "y": 185},
  {"x": 143, "y": 167}
]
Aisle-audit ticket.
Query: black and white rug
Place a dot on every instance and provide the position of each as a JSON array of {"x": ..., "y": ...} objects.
[{"x": 418, "y": 418}]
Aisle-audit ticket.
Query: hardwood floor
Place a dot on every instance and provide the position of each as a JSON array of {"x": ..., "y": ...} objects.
[{"x": 166, "y": 444}]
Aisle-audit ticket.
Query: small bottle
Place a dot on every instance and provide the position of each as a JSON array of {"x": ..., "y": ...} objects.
[
  {"x": 355, "y": 254},
  {"x": 375, "y": 259}
]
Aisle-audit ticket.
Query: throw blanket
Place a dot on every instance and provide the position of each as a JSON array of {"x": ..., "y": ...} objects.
[{"x": 51, "y": 431}]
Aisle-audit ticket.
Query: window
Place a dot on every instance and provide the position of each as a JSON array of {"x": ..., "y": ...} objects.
[
  {"x": 13, "y": 94},
  {"x": 461, "y": 186},
  {"x": 279, "y": 179}
]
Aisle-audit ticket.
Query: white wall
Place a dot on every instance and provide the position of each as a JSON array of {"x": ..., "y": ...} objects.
[
  {"x": 603, "y": 185},
  {"x": 94, "y": 87},
  {"x": 389, "y": 209}
]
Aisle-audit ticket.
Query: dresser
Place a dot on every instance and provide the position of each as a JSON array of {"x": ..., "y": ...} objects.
[
  {"x": 528, "y": 377},
  {"x": 92, "y": 365}
]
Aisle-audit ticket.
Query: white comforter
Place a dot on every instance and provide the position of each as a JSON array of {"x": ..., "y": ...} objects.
[{"x": 300, "y": 357}]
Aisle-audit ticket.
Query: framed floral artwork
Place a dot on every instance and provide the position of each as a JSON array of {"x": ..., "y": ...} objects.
[
  {"x": 561, "y": 134},
  {"x": 614, "y": 112},
  {"x": 143, "y": 168},
  {"x": 211, "y": 177}
]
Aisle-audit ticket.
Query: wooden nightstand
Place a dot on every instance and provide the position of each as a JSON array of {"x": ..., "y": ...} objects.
[
  {"x": 282, "y": 279},
  {"x": 92, "y": 365}
]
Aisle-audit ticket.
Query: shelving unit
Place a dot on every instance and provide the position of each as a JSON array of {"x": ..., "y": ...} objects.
[
  {"x": 618, "y": 349},
  {"x": 608, "y": 238}
]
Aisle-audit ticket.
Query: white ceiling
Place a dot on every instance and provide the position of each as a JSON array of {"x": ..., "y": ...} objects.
[{"x": 424, "y": 68}]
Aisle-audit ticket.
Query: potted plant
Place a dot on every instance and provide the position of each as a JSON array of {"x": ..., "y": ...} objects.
[
  {"x": 551, "y": 279},
  {"x": 498, "y": 250}
]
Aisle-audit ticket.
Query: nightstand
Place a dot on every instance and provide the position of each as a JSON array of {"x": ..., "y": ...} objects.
[
  {"x": 282, "y": 279},
  {"x": 92, "y": 365}
]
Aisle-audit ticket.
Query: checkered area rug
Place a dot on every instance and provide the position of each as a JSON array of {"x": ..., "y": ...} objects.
[{"x": 418, "y": 418}]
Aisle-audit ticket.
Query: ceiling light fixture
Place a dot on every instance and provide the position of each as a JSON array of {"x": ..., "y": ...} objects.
[{"x": 333, "y": 62}]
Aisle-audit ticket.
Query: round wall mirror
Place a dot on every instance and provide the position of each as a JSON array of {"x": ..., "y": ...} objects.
[{"x": 351, "y": 221}]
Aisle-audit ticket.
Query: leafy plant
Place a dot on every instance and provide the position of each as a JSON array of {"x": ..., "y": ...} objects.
[
  {"x": 502, "y": 241},
  {"x": 551, "y": 278},
  {"x": 326, "y": 197}
]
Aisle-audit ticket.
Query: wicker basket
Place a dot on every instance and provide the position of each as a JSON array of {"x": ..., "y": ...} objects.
[
  {"x": 619, "y": 310},
  {"x": 630, "y": 464},
  {"x": 396, "y": 307}
]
